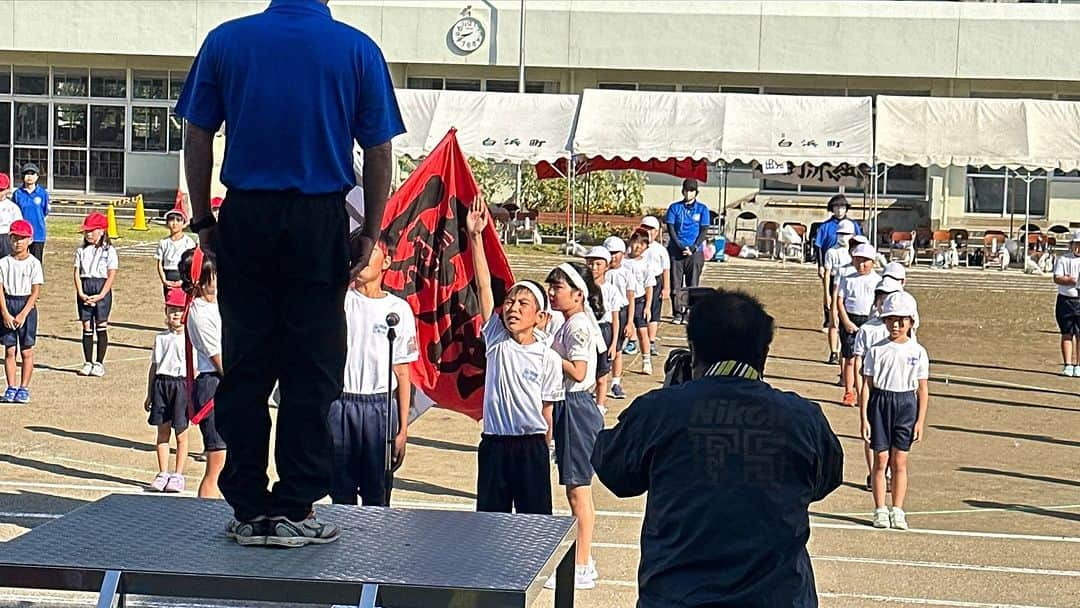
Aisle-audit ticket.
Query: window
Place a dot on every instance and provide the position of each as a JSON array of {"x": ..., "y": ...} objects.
[
  {"x": 71, "y": 82},
  {"x": 1004, "y": 191},
  {"x": 107, "y": 127},
  {"x": 176, "y": 84},
  {"x": 176, "y": 132},
  {"x": 31, "y": 81},
  {"x": 1012, "y": 94},
  {"x": 38, "y": 156},
  {"x": 804, "y": 91},
  {"x": 69, "y": 128},
  {"x": 148, "y": 129},
  {"x": 743, "y": 90},
  {"x": 462, "y": 84},
  {"x": 69, "y": 170},
  {"x": 617, "y": 86},
  {"x": 424, "y": 83},
  {"x": 108, "y": 83},
  {"x": 700, "y": 88},
  {"x": 656, "y": 87},
  {"x": 32, "y": 123},
  {"x": 531, "y": 86},
  {"x": 5, "y": 79},
  {"x": 5, "y": 124},
  {"x": 149, "y": 85},
  {"x": 106, "y": 171}
]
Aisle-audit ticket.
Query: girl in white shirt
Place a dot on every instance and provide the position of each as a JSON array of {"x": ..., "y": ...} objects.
[{"x": 96, "y": 263}]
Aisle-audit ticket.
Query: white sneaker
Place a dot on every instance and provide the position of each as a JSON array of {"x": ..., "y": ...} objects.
[
  {"x": 592, "y": 569},
  {"x": 86, "y": 369},
  {"x": 582, "y": 578},
  {"x": 881, "y": 518},
  {"x": 646, "y": 367},
  {"x": 899, "y": 519},
  {"x": 98, "y": 370},
  {"x": 1068, "y": 371}
]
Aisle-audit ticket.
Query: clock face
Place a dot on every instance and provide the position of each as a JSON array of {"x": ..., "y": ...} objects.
[{"x": 467, "y": 34}]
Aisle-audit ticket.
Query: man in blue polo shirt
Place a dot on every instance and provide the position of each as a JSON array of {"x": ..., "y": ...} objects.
[
  {"x": 825, "y": 240},
  {"x": 687, "y": 221},
  {"x": 33, "y": 202},
  {"x": 296, "y": 89}
]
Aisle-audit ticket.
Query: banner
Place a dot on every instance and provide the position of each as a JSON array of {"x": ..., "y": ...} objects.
[
  {"x": 806, "y": 174},
  {"x": 431, "y": 268}
]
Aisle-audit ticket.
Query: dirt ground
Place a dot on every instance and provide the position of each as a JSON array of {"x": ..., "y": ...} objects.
[{"x": 994, "y": 501}]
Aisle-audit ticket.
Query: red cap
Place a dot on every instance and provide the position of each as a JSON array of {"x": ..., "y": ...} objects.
[
  {"x": 5, "y": 181},
  {"x": 178, "y": 207},
  {"x": 22, "y": 228},
  {"x": 176, "y": 297},
  {"x": 95, "y": 221},
  {"x": 215, "y": 203}
]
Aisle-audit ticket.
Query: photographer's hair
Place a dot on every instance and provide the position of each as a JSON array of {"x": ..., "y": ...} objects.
[
  {"x": 728, "y": 325},
  {"x": 207, "y": 272},
  {"x": 594, "y": 297},
  {"x": 639, "y": 236}
]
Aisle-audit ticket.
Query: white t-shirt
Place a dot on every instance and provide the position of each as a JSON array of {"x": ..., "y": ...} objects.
[
  {"x": 168, "y": 354},
  {"x": 639, "y": 270},
  {"x": 1068, "y": 265},
  {"x": 170, "y": 251},
  {"x": 19, "y": 276},
  {"x": 367, "y": 365},
  {"x": 9, "y": 212},
  {"x": 658, "y": 258},
  {"x": 204, "y": 331},
  {"x": 871, "y": 333},
  {"x": 519, "y": 379},
  {"x": 857, "y": 292},
  {"x": 623, "y": 280},
  {"x": 96, "y": 262},
  {"x": 836, "y": 258},
  {"x": 897, "y": 367},
  {"x": 614, "y": 299},
  {"x": 576, "y": 341}
]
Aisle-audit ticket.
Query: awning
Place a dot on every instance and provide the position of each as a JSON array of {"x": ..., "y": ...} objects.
[
  {"x": 684, "y": 168},
  {"x": 417, "y": 109},
  {"x": 943, "y": 131}
]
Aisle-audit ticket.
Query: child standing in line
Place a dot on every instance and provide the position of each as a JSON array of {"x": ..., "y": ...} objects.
[
  {"x": 9, "y": 212},
  {"x": 894, "y": 408},
  {"x": 170, "y": 249},
  {"x": 1067, "y": 306},
  {"x": 577, "y": 420},
  {"x": 659, "y": 261},
  {"x": 870, "y": 334},
  {"x": 623, "y": 280},
  {"x": 167, "y": 395},
  {"x": 522, "y": 382},
  {"x": 638, "y": 266},
  {"x": 203, "y": 327},
  {"x": 855, "y": 302},
  {"x": 21, "y": 277},
  {"x": 358, "y": 418},
  {"x": 898, "y": 271},
  {"x": 96, "y": 262},
  {"x": 836, "y": 260},
  {"x": 614, "y": 300}
]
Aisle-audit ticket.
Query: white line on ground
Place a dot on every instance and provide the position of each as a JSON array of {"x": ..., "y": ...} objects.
[
  {"x": 17, "y": 515},
  {"x": 921, "y": 601},
  {"x": 964, "y": 533},
  {"x": 968, "y": 511},
  {"x": 57, "y": 368}
]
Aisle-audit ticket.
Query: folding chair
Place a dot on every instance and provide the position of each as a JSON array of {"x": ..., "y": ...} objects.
[
  {"x": 793, "y": 242},
  {"x": 745, "y": 222},
  {"x": 993, "y": 248},
  {"x": 940, "y": 245},
  {"x": 960, "y": 237},
  {"x": 768, "y": 239},
  {"x": 902, "y": 247}
]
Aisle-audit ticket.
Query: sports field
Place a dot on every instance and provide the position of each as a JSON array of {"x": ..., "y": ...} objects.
[{"x": 994, "y": 500}]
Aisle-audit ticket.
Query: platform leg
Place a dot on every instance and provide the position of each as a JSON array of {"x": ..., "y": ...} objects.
[
  {"x": 111, "y": 596},
  {"x": 367, "y": 596},
  {"x": 564, "y": 579}
]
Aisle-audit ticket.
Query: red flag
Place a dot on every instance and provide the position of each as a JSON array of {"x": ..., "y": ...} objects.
[{"x": 431, "y": 268}]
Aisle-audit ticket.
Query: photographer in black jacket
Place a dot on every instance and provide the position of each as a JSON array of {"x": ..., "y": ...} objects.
[{"x": 730, "y": 465}]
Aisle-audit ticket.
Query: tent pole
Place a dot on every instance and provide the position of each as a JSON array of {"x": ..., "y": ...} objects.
[
  {"x": 723, "y": 195},
  {"x": 569, "y": 192},
  {"x": 1012, "y": 210}
]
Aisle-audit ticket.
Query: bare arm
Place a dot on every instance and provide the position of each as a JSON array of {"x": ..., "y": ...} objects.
[
  {"x": 575, "y": 370},
  {"x": 629, "y": 314},
  {"x": 648, "y": 300},
  {"x": 924, "y": 401},
  {"x": 614, "y": 333},
  {"x": 548, "y": 406},
  {"x": 216, "y": 360},
  {"x": 864, "y": 402},
  {"x": 1064, "y": 280},
  {"x": 108, "y": 284},
  {"x": 475, "y": 223},
  {"x": 198, "y": 161},
  {"x": 378, "y": 170},
  {"x": 31, "y": 302},
  {"x": 78, "y": 286},
  {"x": 150, "y": 384},
  {"x": 404, "y": 398}
]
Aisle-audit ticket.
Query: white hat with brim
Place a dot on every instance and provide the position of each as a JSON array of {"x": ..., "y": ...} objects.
[
  {"x": 889, "y": 285},
  {"x": 650, "y": 222},
  {"x": 859, "y": 239},
  {"x": 845, "y": 227},
  {"x": 599, "y": 253},
  {"x": 1075, "y": 237},
  {"x": 899, "y": 304},
  {"x": 864, "y": 251},
  {"x": 615, "y": 244},
  {"x": 896, "y": 271}
]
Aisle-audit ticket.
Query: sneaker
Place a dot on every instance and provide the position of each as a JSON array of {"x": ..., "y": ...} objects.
[
  {"x": 9, "y": 395},
  {"x": 175, "y": 484},
  {"x": 22, "y": 395},
  {"x": 160, "y": 482},
  {"x": 583, "y": 579},
  {"x": 881, "y": 518},
  {"x": 899, "y": 519},
  {"x": 630, "y": 348},
  {"x": 602, "y": 408},
  {"x": 646, "y": 367},
  {"x": 592, "y": 569},
  {"x": 248, "y": 533},
  {"x": 652, "y": 350},
  {"x": 869, "y": 485},
  {"x": 287, "y": 533},
  {"x": 86, "y": 369},
  {"x": 617, "y": 391},
  {"x": 849, "y": 399},
  {"x": 834, "y": 359},
  {"x": 1069, "y": 371},
  {"x": 98, "y": 370}
]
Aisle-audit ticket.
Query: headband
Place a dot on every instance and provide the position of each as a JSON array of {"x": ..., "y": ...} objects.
[
  {"x": 579, "y": 284},
  {"x": 534, "y": 289}
]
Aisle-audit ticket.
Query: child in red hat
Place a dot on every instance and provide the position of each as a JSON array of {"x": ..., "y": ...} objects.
[
  {"x": 170, "y": 248},
  {"x": 21, "y": 278},
  {"x": 167, "y": 394},
  {"x": 96, "y": 262},
  {"x": 9, "y": 212},
  {"x": 215, "y": 206}
]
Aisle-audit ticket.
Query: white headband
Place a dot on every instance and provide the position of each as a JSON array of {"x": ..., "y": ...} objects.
[
  {"x": 579, "y": 284},
  {"x": 534, "y": 289}
]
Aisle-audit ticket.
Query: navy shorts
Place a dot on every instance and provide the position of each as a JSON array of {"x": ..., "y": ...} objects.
[
  {"x": 358, "y": 431},
  {"x": 24, "y": 336},
  {"x": 624, "y": 318},
  {"x": 639, "y": 313},
  {"x": 513, "y": 474},
  {"x": 205, "y": 387},
  {"x": 577, "y": 423},
  {"x": 603, "y": 360},
  {"x": 94, "y": 312},
  {"x": 892, "y": 419},
  {"x": 1067, "y": 313},
  {"x": 847, "y": 339},
  {"x": 5, "y": 245},
  {"x": 657, "y": 301},
  {"x": 170, "y": 275},
  {"x": 169, "y": 402}
]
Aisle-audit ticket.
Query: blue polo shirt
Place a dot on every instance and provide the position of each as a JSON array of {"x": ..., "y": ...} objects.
[
  {"x": 688, "y": 220},
  {"x": 34, "y": 206},
  {"x": 294, "y": 88},
  {"x": 826, "y": 236}
]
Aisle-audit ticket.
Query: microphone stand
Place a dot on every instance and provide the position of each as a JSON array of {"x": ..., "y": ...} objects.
[{"x": 388, "y": 471}]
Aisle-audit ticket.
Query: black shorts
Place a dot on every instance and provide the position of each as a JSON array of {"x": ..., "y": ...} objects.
[
  {"x": 205, "y": 387},
  {"x": 603, "y": 360},
  {"x": 657, "y": 301},
  {"x": 513, "y": 474},
  {"x": 169, "y": 402},
  {"x": 358, "y": 433},
  {"x": 1067, "y": 312},
  {"x": 25, "y": 336},
  {"x": 639, "y": 313},
  {"x": 170, "y": 275},
  {"x": 847, "y": 339},
  {"x": 94, "y": 312},
  {"x": 624, "y": 318},
  {"x": 5, "y": 245},
  {"x": 892, "y": 420},
  {"x": 577, "y": 423}
]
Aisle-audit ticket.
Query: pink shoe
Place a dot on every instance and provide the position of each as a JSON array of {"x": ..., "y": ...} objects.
[
  {"x": 175, "y": 484},
  {"x": 160, "y": 481}
]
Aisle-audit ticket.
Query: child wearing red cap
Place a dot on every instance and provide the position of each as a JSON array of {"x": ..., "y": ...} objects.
[
  {"x": 9, "y": 212},
  {"x": 167, "y": 394},
  {"x": 215, "y": 206},
  {"x": 170, "y": 248},
  {"x": 96, "y": 262},
  {"x": 21, "y": 278}
]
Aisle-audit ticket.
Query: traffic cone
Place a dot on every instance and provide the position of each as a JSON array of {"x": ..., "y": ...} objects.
[
  {"x": 140, "y": 215},
  {"x": 113, "y": 232}
]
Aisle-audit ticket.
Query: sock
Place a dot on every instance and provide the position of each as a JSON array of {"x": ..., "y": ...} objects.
[
  {"x": 616, "y": 381},
  {"x": 88, "y": 346},
  {"x": 102, "y": 344}
]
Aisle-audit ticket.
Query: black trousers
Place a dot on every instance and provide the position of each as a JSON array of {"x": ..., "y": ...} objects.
[
  {"x": 358, "y": 431},
  {"x": 685, "y": 273},
  {"x": 282, "y": 274},
  {"x": 37, "y": 249},
  {"x": 513, "y": 474}
]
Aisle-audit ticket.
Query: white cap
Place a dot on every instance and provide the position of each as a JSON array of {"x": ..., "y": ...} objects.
[
  {"x": 650, "y": 221},
  {"x": 599, "y": 252},
  {"x": 859, "y": 239},
  {"x": 615, "y": 245},
  {"x": 845, "y": 227},
  {"x": 896, "y": 271},
  {"x": 864, "y": 251},
  {"x": 1075, "y": 237},
  {"x": 889, "y": 285},
  {"x": 899, "y": 304}
]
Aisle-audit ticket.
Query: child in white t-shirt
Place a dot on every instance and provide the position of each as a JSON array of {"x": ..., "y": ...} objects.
[
  {"x": 614, "y": 299},
  {"x": 894, "y": 408},
  {"x": 659, "y": 261},
  {"x": 167, "y": 395},
  {"x": 1067, "y": 307},
  {"x": 170, "y": 249},
  {"x": 622, "y": 279},
  {"x": 638, "y": 265},
  {"x": 854, "y": 302},
  {"x": 836, "y": 261},
  {"x": 96, "y": 264},
  {"x": 21, "y": 278},
  {"x": 358, "y": 419},
  {"x": 9, "y": 212}
]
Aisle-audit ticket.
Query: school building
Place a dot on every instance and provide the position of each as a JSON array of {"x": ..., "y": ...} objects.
[{"x": 87, "y": 89}]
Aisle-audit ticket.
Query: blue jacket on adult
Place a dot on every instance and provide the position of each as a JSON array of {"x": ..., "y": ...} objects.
[
  {"x": 687, "y": 224},
  {"x": 34, "y": 205},
  {"x": 826, "y": 236}
]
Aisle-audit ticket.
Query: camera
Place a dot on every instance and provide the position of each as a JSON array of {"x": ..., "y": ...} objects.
[{"x": 678, "y": 367}]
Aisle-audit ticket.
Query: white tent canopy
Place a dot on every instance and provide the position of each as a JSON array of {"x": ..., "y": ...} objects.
[
  {"x": 417, "y": 109},
  {"x": 943, "y": 131}
]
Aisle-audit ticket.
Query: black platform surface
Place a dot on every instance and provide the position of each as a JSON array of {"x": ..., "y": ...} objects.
[{"x": 177, "y": 547}]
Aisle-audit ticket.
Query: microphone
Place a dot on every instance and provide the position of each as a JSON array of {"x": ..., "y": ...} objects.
[{"x": 392, "y": 319}]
